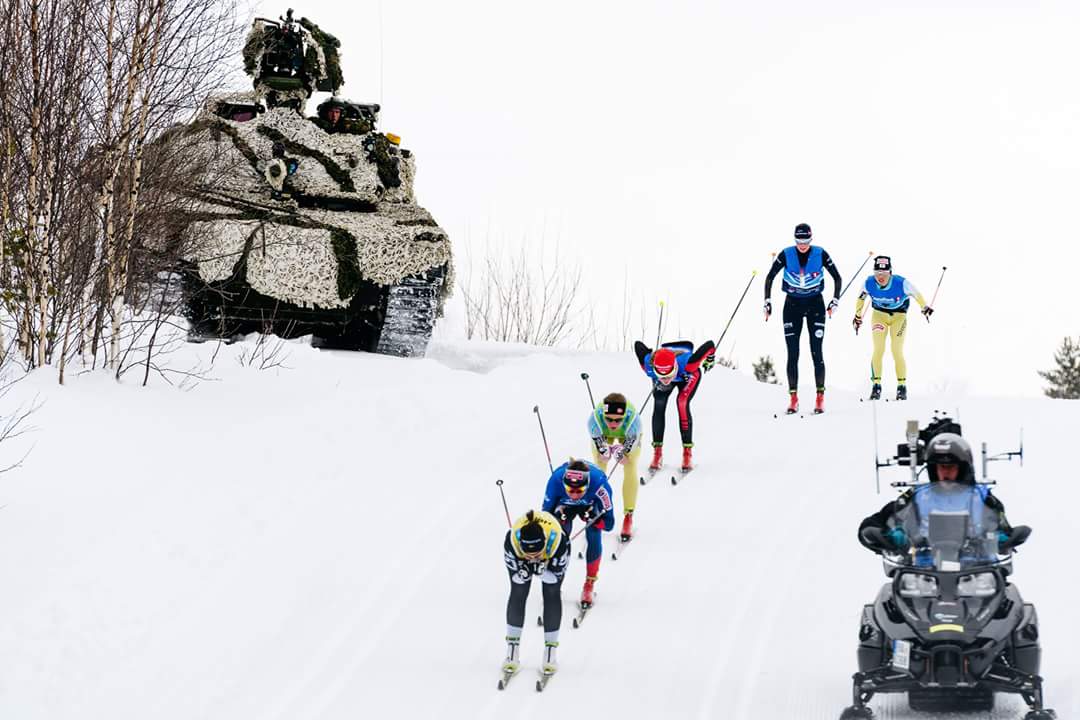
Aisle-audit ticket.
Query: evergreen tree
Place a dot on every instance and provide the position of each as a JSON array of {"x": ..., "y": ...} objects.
[
  {"x": 1065, "y": 378},
  {"x": 764, "y": 370}
]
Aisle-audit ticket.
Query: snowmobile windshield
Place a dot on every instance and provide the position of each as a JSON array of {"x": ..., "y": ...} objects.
[{"x": 950, "y": 527}]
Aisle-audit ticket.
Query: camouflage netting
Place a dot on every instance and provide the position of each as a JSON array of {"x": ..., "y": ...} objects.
[
  {"x": 340, "y": 225},
  {"x": 307, "y": 225},
  {"x": 320, "y": 63}
]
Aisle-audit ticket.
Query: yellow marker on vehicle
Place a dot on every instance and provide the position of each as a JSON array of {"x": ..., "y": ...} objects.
[{"x": 946, "y": 628}]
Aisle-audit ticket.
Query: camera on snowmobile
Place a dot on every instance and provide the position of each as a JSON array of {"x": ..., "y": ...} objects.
[{"x": 919, "y": 439}]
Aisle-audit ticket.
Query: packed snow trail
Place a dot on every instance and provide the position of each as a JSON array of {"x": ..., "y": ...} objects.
[{"x": 325, "y": 542}]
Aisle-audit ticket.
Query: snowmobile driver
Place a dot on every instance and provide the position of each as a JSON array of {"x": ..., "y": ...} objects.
[
  {"x": 580, "y": 489},
  {"x": 674, "y": 365},
  {"x": 615, "y": 429},
  {"x": 904, "y": 523},
  {"x": 535, "y": 546}
]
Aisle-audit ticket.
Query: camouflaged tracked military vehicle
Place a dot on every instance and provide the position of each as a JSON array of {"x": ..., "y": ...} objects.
[{"x": 308, "y": 225}]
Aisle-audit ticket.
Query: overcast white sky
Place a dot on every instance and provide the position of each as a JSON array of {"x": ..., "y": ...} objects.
[{"x": 680, "y": 143}]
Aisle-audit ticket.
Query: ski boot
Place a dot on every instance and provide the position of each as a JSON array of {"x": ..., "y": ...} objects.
[
  {"x": 687, "y": 453},
  {"x": 551, "y": 663},
  {"x": 857, "y": 712},
  {"x": 793, "y": 406},
  {"x": 875, "y": 392},
  {"x": 512, "y": 663},
  {"x": 901, "y": 392},
  {"x": 657, "y": 458},
  {"x": 819, "y": 402},
  {"x": 627, "y": 526},
  {"x": 587, "y": 593}
]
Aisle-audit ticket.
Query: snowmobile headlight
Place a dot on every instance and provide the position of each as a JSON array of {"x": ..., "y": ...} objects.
[
  {"x": 915, "y": 585},
  {"x": 978, "y": 585}
]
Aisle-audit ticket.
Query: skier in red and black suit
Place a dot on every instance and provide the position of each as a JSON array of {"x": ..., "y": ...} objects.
[
  {"x": 804, "y": 281},
  {"x": 674, "y": 365}
]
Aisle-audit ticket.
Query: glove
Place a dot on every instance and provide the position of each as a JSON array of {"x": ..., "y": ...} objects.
[
  {"x": 898, "y": 538},
  {"x": 927, "y": 312},
  {"x": 603, "y": 448},
  {"x": 833, "y": 304},
  {"x": 561, "y": 515},
  {"x": 857, "y": 323},
  {"x": 768, "y": 309},
  {"x": 708, "y": 363},
  {"x": 588, "y": 513}
]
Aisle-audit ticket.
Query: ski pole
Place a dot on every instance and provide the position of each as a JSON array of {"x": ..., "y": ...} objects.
[
  {"x": 659, "y": 324},
  {"x": 536, "y": 409},
  {"x": 934, "y": 299},
  {"x": 506, "y": 507},
  {"x": 856, "y": 273},
  {"x": 592, "y": 403},
  {"x": 737, "y": 306}
]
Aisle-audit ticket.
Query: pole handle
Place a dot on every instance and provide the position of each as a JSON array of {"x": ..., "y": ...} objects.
[{"x": 499, "y": 483}]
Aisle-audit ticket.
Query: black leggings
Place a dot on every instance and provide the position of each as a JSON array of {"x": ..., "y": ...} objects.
[
  {"x": 519, "y": 593},
  {"x": 812, "y": 309},
  {"x": 686, "y": 389}
]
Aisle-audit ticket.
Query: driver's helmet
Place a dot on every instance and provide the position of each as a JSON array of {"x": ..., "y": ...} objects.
[
  {"x": 950, "y": 449},
  {"x": 327, "y": 105}
]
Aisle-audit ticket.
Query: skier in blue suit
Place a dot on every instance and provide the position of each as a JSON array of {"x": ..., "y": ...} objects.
[{"x": 580, "y": 489}]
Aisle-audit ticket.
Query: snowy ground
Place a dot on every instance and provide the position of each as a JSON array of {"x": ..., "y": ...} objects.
[{"x": 324, "y": 541}]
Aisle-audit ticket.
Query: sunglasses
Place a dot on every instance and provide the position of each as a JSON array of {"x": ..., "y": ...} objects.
[{"x": 613, "y": 420}]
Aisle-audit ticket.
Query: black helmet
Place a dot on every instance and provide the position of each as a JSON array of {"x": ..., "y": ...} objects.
[
  {"x": 531, "y": 537},
  {"x": 950, "y": 449},
  {"x": 327, "y": 105}
]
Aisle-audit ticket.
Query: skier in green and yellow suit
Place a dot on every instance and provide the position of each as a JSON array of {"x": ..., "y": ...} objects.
[
  {"x": 615, "y": 431},
  {"x": 890, "y": 295}
]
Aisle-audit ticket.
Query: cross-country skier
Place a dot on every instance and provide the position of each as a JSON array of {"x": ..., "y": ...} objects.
[
  {"x": 580, "y": 489},
  {"x": 534, "y": 546},
  {"x": 674, "y": 365},
  {"x": 890, "y": 296},
  {"x": 615, "y": 429},
  {"x": 804, "y": 280}
]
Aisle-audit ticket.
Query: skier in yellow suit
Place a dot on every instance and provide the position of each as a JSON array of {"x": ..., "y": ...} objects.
[
  {"x": 615, "y": 431},
  {"x": 890, "y": 296}
]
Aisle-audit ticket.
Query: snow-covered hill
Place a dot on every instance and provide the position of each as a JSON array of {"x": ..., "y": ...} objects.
[{"x": 324, "y": 541}]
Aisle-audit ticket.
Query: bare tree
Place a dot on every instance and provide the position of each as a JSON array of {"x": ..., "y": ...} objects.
[
  {"x": 521, "y": 298},
  {"x": 87, "y": 197}
]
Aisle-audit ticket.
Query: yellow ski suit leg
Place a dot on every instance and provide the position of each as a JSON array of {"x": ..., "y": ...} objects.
[
  {"x": 630, "y": 476},
  {"x": 894, "y": 327},
  {"x": 897, "y": 333}
]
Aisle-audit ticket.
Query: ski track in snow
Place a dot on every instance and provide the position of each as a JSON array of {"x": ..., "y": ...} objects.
[{"x": 325, "y": 542}]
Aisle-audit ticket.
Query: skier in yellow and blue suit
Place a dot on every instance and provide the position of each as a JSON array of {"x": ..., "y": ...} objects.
[{"x": 890, "y": 296}]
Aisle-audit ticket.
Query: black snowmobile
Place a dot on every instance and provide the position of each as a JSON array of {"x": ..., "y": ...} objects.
[{"x": 949, "y": 629}]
